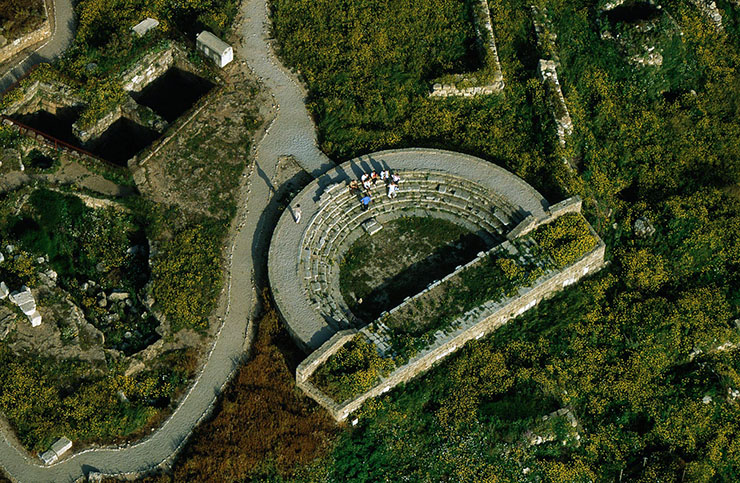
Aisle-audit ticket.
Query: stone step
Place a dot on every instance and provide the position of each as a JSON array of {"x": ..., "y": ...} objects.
[{"x": 371, "y": 226}]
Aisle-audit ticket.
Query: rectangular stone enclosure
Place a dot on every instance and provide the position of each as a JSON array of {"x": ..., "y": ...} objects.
[{"x": 508, "y": 309}]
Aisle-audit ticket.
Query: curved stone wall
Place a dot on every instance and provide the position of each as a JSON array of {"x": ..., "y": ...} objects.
[{"x": 304, "y": 258}]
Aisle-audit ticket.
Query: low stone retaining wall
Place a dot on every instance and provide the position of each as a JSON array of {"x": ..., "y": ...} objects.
[
  {"x": 320, "y": 355},
  {"x": 461, "y": 86},
  {"x": 451, "y": 90},
  {"x": 570, "y": 205},
  {"x": 130, "y": 109},
  {"x": 149, "y": 68},
  {"x": 43, "y": 95},
  {"x": 549, "y": 75}
]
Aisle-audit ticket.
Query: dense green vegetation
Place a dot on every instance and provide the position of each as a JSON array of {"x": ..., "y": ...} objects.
[
  {"x": 657, "y": 142},
  {"x": 46, "y": 399},
  {"x": 76, "y": 238},
  {"x": 187, "y": 275},
  {"x": 19, "y": 17},
  {"x": 369, "y": 67},
  {"x": 566, "y": 239},
  {"x": 84, "y": 246},
  {"x": 352, "y": 370}
]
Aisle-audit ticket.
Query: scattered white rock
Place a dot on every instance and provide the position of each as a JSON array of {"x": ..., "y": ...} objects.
[
  {"x": 35, "y": 318},
  {"x": 117, "y": 296},
  {"x": 643, "y": 227},
  {"x": 145, "y": 26},
  {"x": 706, "y": 399},
  {"x": 51, "y": 274},
  {"x": 24, "y": 299}
]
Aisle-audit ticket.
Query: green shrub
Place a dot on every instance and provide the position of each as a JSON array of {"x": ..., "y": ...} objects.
[
  {"x": 352, "y": 370},
  {"x": 43, "y": 399},
  {"x": 566, "y": 239},
  {"x": 187, "y": 276},
  {"x": 9, "y": 137}
]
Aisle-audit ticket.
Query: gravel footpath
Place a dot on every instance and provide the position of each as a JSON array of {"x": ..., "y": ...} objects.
[{"x": 293, "y": 131}]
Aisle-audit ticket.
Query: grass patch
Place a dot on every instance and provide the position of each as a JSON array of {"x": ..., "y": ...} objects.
[{"x": 379, "y": 271}]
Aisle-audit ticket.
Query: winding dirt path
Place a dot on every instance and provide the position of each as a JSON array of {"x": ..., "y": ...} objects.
[{"x": 290, "y": 133}]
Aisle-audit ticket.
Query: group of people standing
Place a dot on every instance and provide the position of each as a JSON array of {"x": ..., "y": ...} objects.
[
  {"x": 368, "y": 180},
  {"x": 363, "y": 186}
]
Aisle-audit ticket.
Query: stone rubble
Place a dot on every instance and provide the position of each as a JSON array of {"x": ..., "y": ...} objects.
[
  {"x": 643, "y": 228},
  {"x": 549, "y": 76},
  {"x": 710, "y": 9},
  {"x": 25, "y": 301}
]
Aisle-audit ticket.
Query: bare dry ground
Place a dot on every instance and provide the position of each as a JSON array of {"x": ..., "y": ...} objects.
[{"x": 200, "y": 166}]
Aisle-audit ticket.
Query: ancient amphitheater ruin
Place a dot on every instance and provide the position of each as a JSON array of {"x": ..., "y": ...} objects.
[{"x": 305, "y": 257}]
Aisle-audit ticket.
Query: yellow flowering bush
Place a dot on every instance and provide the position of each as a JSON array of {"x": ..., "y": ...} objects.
[
  {"x": 352, "y": 370},
  {"x": 566, "y": 239}
]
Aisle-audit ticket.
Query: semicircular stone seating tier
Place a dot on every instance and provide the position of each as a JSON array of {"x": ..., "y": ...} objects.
[
  {"x": 465, "y": 190},
  {"x": 338, "y": 223}
]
